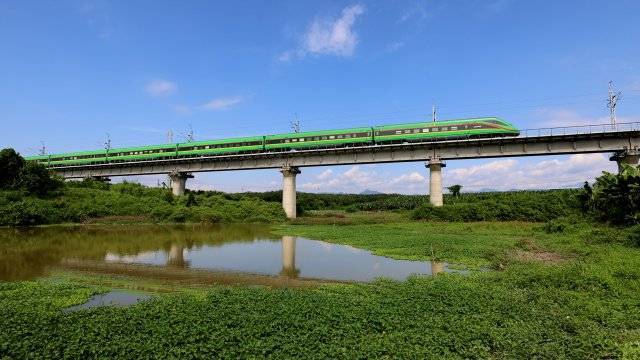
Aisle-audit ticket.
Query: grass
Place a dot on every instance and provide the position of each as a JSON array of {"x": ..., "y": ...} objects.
[
  {"x": 582, "y": 303},
  {"x": 472, "y": 244}
]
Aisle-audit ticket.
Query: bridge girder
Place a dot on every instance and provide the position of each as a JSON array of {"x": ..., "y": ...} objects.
[{"x": 608, "y": 142}]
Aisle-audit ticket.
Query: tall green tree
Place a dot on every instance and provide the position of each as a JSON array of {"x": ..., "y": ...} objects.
[
  {"x": 10, "y": 165},
  {"x": 455, "y": 190},
  {"x": 35, "y": 179},
  {"x": 616, "y": 197}
]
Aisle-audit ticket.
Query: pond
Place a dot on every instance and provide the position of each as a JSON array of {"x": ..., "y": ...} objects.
[{"x": 248, "y": 254}]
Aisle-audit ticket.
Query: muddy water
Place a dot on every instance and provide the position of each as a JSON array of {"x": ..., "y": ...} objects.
[{"x": 193, "y": 253}]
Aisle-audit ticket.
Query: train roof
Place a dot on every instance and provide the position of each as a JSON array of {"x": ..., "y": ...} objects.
[{"x": 319, "y": 133}]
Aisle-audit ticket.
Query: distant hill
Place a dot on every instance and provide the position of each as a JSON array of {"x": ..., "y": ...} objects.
[{"x": 370, "y": 192}]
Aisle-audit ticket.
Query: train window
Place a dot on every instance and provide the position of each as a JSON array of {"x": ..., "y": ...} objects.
[
  {"x": 398, "y": 132},
  {"x": 332, "y": 137},
  {"x": 294, "y": 140},
  {"x": 407, "y": 131},
  {"x": 301, "y": 139},
  {"x": 316, "y": 138},
  {"x": 425, "y": 130},
  {"x": 346, "y": 136},
  {"x": 454, "y": 128},
  {"x": 324, "y": 138},
  {"x": 415, "y": 131},
  {"x": 477, "y": 126},
  {"x": 444, "y": 128}
]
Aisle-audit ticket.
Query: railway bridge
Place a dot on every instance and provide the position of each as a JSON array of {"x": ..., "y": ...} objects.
[{"x": 622, "y": 140}]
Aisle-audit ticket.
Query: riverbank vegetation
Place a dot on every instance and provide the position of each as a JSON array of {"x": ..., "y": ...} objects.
[
  {"x": 92, "y": 201},
  {"x": 568, "y": 294},
  {"x": 30, "y": 196}
]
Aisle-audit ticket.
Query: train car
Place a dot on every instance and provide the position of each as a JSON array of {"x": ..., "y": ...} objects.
[
  {"x": 223, "y": 146},
  {"x": 77, "y": 158},
  {"x": 43, "y": 159},
  {"x": 151, "y": 152},
  {"x": 318, "y": 139},
  {"x": 439, "y": 130}
]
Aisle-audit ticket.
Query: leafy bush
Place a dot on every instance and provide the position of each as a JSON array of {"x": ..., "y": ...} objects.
[
  {"x": 633, "y": 236},
  {"x": 536, "y": 206},
  {"x": 615, "y": 197},
  {"x": 16, "y": 173}
]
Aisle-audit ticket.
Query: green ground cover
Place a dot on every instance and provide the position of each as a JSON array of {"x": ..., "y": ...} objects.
[
  {"x": 559, "y": 292},
  {"x": 130, "y": 203}
]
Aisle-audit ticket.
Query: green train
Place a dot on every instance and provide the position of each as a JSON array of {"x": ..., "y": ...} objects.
[{"x": 376, "y": 135}]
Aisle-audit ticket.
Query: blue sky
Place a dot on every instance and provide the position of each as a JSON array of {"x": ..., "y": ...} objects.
[{"x": 73, "y": 71}]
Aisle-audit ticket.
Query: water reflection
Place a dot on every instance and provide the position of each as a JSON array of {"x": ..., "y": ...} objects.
[
  {"x": 117, "y": 298},
  {"x": 229, "y": 254},
  {"x": 289, "y": 257}
]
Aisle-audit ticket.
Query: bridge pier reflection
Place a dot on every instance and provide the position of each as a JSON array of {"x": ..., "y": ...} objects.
[
  {"x": 289, "y": 257},
  {"x": 176, "y": 257},
  {"x": 437, "y": 267}
]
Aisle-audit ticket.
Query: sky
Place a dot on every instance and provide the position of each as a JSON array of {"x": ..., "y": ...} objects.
[{"x": 74, "y": 73}]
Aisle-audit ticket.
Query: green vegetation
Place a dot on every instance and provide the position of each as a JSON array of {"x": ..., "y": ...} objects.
[
  {"x": 30, "y": 177},
  {"x": 93, "y": 201},
  {"x": 615, "y": 197},
  {"x": 534, "y": 206},
  {"x": 455, "y": 190},
  {"x": 563, "y": 294}
]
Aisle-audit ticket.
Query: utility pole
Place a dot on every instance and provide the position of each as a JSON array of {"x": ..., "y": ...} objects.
[
  {"x": 43, "y": 149},
  {"x": 170, "y": 136},
  {"x": 433, "y": 113},
  {"x": 612, "y": 102},
  {"x": 190, "y": 136},
  {"x": 295, "y": 124},
  {"x": 107, "y": 146}
]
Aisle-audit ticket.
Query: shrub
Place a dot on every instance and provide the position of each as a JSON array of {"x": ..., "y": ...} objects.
[{"x": 615, "y": 197}]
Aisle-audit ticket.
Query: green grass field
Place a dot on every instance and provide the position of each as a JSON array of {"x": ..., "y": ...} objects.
[{"x": 569, "y": 294}]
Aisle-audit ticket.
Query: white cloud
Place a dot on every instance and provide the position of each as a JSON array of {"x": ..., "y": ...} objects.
[
  {"x": 492, "y": 167},
  {"x": 329, "y": 36},
  {"x": 415, "y": 11},
  {"x": 395, "y": 46},
  {"x": 325, "y": 174},
  {"x": 509, "y": 174},
  {"x": 503, "y": 174},
  {"x": 412, "y": 177},
  {"x": 182, "y": 109},
  {"x": 160, "y": 87},
  {"x": 222, "y": 103},
  {"x": 560, "y": 117}
]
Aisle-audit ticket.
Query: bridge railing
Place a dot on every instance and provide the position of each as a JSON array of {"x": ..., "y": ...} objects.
[{"x": 580, "y": 129}]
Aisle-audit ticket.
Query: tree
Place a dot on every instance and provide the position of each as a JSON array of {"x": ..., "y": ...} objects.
[
  {"x": 35, "y": 179},
  {"x": 10, "y": 165},
  {"x": 455, "y": 190},
  {"x": 616, "y": 197}
]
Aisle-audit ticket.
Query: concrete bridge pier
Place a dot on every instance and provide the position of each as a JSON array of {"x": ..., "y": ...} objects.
[
  {"x": 289, "y": 257},
  {"x": 435, "y": 166},
  {"x": 179, "y": 182},
  {"x": 629, "y": 157},
  {"x": 289, "y": 190}
]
